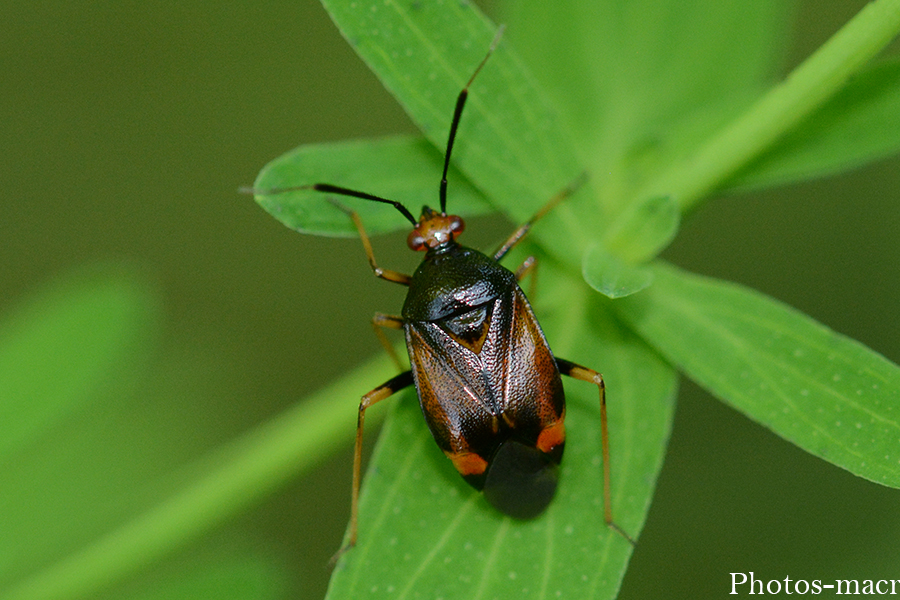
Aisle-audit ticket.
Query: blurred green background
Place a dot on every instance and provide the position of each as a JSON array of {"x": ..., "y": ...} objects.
[{"x": 126, "y": 129}]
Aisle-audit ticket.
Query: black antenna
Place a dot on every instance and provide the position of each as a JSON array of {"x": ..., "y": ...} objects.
[
  {"x": 457, "y": 114},
  {"x": 334, "y": 189}
]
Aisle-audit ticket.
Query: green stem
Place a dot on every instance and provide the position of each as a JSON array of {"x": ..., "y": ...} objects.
[
  {"x": 233, "y": 479},
  {"x": 813, "y": 82}
]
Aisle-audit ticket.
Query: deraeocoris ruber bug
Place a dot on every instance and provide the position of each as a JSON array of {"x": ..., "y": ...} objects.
[{"x": 488, "y": 384}]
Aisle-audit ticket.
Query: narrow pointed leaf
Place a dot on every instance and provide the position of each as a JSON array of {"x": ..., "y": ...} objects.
[
  {"x": 627, "y": 73},
  {"x": 824, "y": 392},
  {"x": 403, "y": 168},
  {"x": 510, "y": 144},
  {"x": 612, "y": 267},
  {"x": 781, "y": 109},
  {"x": 612, "y": 277},
  {"x": 644, "y": 229},
  {"x": 860, "y": 124}
]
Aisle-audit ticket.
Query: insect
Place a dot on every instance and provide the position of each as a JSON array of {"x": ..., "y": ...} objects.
[{"x": 488, "y": 384}]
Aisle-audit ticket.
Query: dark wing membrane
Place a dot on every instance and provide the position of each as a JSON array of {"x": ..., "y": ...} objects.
[{"x": 474, "y": 400}]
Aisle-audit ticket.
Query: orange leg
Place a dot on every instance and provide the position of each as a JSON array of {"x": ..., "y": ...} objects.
[
  {"x": 385, "y": 390},
  {"x": 528, "y": 267},
  {"x": 381, "y": 321},
  {"x": 584, "y": 374},
  {"x": 519, "y": 233},
  {"x": 395, "y": 276}
]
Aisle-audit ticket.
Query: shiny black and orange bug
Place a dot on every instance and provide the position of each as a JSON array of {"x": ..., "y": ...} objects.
[{"x": 488, "y": 383}]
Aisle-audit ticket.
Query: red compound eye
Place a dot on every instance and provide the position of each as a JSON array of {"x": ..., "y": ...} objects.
[
  {"x": 457, "y": 226},
  {"x": 415, "y": 241}
]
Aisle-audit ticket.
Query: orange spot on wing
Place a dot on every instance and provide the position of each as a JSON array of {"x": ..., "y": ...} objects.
[
  {"x": 468, "y": 463},
  {"x": 551, "y": 437}
]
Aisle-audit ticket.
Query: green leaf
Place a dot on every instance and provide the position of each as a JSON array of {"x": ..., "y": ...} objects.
[
  {"x": 219, "y": 486},
  {"x": 859, "y": 124},
  {"x": 402, "y": 168},
  {"x": 510, "y": 144},
  {"x": 641, "y": 81},
  {"x": 425, "y": 533},
  {"x": 612, "y": 277},
  {"x": 227, "y": 576},
  {"x": 824, "y": 392},
  {"x": 782, "y": 108},
  {"x": 62, "y": 347},
  {"x": 644, "y": 229},
  {"x": 512, "y": 147}
]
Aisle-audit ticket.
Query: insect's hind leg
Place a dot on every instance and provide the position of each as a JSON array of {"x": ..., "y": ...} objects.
[
  {"x": 576, "y": 371},
  {"x": 385, "y": 390}
]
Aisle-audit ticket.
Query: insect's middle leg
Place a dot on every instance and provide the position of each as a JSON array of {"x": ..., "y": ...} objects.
[
  {"x": 528, "y": 267},
  {"x": 382, "y": 321},
  {"x": 519, "y": 233},
  {"x": 576, "y": 371}
]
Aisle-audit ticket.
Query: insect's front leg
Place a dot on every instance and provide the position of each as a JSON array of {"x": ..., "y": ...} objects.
[
  {"x": 576, "y": 371},
  {"x": 385, "y": 390},
  {"x": 387, "y": 274}
]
